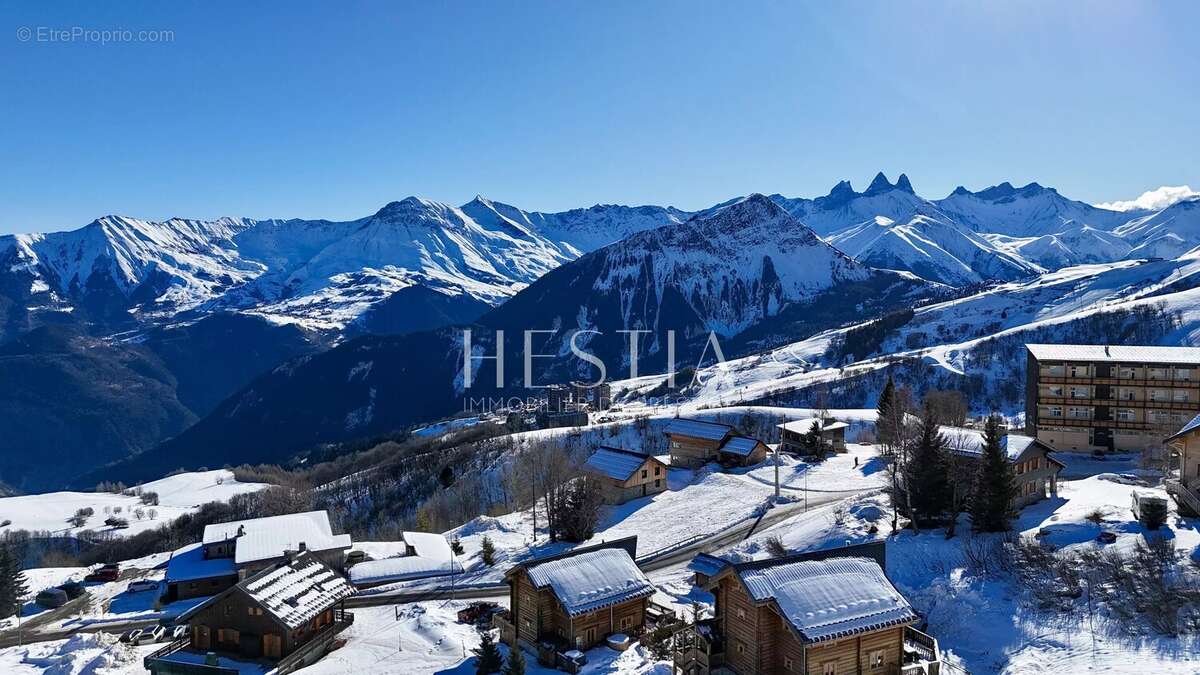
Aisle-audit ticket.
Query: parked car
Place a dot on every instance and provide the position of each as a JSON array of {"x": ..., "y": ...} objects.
[
  {"x": 133, "y": 637},
  {"x": 150, "y": 635},
  {"x": 73, "y": 589},
  {"x": 179, "y": 633},
  {"x": 110, "y": 572},
  {"x": 479, "y": 613},
  {"x": 51, "y": 598},
  {"x": 142, "y": 585}
]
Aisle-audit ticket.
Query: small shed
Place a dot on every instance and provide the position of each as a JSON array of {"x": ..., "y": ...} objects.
[{"x": 742, "y": 451}]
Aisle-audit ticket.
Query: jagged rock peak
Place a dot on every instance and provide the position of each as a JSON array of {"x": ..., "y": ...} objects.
[
  {"x": 879, "y": 184},
  {"x": 902, "y": 183}
]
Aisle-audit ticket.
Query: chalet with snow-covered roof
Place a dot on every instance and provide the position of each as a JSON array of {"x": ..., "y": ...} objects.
[
  {"x": 575, "y": 600},
  {"x": 625, "y": 474},
  {"x": 694, "y": 443},
  {"x": 1035, "y": 468},
  {"x": 825, "y": 612},
  {"x": 793, "y": 435},
  {"x": 286, "y": 614},
  {"x": 234, "y": 550}
]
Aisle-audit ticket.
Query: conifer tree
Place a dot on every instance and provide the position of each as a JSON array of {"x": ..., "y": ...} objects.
[
  {"x": 995, "y": 484},
  {"x": 926, "y": 477},
  {"x": 13, "y": 585},
  {"x": 488, "y": 658},
  {"x": 883, "y": 410},
  {"x": 516, "y": 662}
]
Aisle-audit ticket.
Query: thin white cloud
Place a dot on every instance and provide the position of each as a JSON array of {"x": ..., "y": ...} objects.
[{"x": 1154, "y": 200}]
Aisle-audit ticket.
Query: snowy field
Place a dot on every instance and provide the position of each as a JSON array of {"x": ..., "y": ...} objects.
[{"x": 177, "y": 495}]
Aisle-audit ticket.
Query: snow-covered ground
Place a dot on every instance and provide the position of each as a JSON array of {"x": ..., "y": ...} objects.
[{"x": 177, "y": 495}]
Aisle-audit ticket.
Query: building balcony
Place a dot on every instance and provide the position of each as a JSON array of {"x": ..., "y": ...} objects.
[
  {"x": 1186, "y": 496},
  {"x": 921, "y": 653}
]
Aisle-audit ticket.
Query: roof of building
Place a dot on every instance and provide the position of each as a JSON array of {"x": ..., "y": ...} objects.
[
  {"x": 297, "y": 590},
  {"x": 1116, "y": 353},
  {"x": 969, "y": 443},
  {"x": 707, "y": 564},
  {"x": 1190, "y": 426},
  {"x": 803, "y": 426},
  {"x": 293, "y": 591},
  {"x": 830, "y": 599},
  {"x": 189, "y": 563},
  {"x": 429, "y": 545},
  {"x": 713, "y": 431},
  {"x": 615, "y": 463},
  {"x": 592, "y": 580},
  {"x": 267, "y": 538},
  {"x": 740, "y": 445}
]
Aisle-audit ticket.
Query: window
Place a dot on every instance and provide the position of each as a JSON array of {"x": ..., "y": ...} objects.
[
  {"x": 1079, "y": 371},
  {"x": 228, "y": 610},
  {"x": 1126, "y": 372},
  {"x": 658, "y": 482},
  {"x": 657, "y": 470},
  {"x": 829, "y": 668},
  {"x": 1158, "y": 374},
  {"x": 254, "y": 611},
  {"x": 741, "y": 613},
  {"x": 788, "y": 663},
  {"x": 741, "y": 648},
  {"x": 1056, "y": 411},
  {"x": 1126, "y": 394},
  {"x": 1158, "y": 395},
  {"x": 1054, "y": 371},
  {"x": 1126, "y": 414},
  {"x": 643, "y": 473},
  {"x": 1183, "y": 373},
  {"x": 626, "y": 622},
  {"x": 875, "y": 659},
  {"x": 1079, "y": 392},
  {"x": 1079, "y": 413},
  {"x": 1056, "y": 390},
  {"x": 1180, "y": 395}
]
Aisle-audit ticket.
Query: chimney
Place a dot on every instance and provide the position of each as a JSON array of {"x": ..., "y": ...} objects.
[
  {"x": 1106, "y": 351},
  {"x": 303, "y": 547}
]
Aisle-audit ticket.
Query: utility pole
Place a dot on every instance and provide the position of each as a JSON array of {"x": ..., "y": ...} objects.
[{"x": 777, "y": 471}]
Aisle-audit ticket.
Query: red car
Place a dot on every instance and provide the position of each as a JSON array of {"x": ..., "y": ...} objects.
[{"x": 106, "y": 573}]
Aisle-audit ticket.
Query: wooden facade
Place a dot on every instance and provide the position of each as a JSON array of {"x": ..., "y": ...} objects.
[
  {"x": 648, "y": 478},
  {"x": 1185, "y": 487},
  {"x": 256, "y": 620},
  {"x": 750, "y": 637},
  {"x": 692, "y": 453},
  {"x": 539, "y": 616}
]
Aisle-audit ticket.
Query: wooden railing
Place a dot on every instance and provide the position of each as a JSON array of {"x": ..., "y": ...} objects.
[
  {"x": 1184, "y": 497},
  {"x": 924, "y": 647},
  {"x": 319, "y": 642}
]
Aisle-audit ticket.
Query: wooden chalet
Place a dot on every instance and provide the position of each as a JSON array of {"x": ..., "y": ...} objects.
[
  {"x": 574, "y": 600},
  {"x": 694, "y": 443},
  {"x": 235, "y": 550},
  {"x": 792, "y": 435},
  {"x": 1034, "y": 467},
  {"x": 625, "y": 474},
  {"x": 286, "y": 615},
  {"x": 829, "y": 612}
]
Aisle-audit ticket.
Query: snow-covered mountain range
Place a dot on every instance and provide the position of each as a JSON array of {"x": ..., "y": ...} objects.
[
  {"x": 120, "y": 271},
  {"x": 417, "y": 257}
]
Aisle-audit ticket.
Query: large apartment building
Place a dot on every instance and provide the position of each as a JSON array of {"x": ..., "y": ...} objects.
[{"x": 1097, "y": 397}]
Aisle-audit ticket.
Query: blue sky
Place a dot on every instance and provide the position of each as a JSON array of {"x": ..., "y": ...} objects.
[{"x": 323, "y": 110}]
